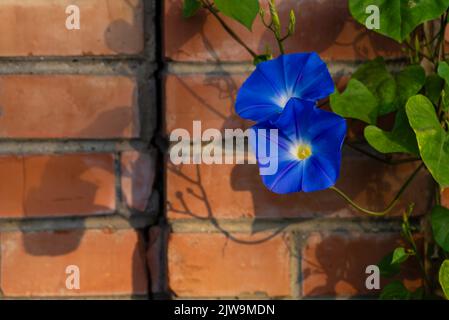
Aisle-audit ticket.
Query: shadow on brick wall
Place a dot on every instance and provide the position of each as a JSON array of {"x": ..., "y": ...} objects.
[
  {"x": 123, "y": 37},
  {"x": 79, "y": 198},
  {"x": 325, "y": 27}
]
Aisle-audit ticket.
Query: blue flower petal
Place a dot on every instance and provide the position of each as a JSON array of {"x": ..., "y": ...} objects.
[
  {"x": 294, "y": 120},
  {"x": 258, "y": 98},
  {"x": 266, "y": 92},
  {"x": 320, "y": 173},
  {"x": 328, "y": 134},
  {"x": 307, "y": 76},
  {"x": 288, "y": 178}
]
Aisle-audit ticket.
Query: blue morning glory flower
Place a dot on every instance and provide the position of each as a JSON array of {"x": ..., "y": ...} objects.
[
  {"x": 266, "y": 92},
  {"x": 309, "y": 143}
]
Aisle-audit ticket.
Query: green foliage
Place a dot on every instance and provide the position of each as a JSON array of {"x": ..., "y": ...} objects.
[
  {"x": 243, "y": 11},
  {"x": 190, "y": 8},
  {"x": 356, "y": 102},
  {"x": 373, "y": 91},
  {"x": 409, "y": 82},
  {"x": 433, "y": 140},
  {"x": 440, "y": 226},
  {"x": 397, "y": 291},
  {"x": 398, "y": 18},
  {"x": 443, "y": 277},
  {"x": 399, "y": 256},
  {"x": 400, "y": 139},
  {"x": 387, "y": 268},
  {"x": 375, "y": 76},
  {"x": 433, "y": 87},
  {"x": 443, "y": 71}
]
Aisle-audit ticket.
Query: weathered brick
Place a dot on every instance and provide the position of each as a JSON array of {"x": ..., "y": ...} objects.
[
  {"x": 56, "y": 185},
  {"x": 202, "y": 97},
  {"x": 334, "y": 264},
  {"x": 237, "y": 191},
  {"x": 110, "y": 263},
  {"x": 325, "y": 27},
  {"x": 38, "y": 28},
  {"x": 212, "y": 265},
  {"x": 68, "y": 106},
  {"x": 137, "y": 178}
]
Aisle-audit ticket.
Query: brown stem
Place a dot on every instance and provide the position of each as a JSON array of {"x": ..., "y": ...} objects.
[{"x": 228, "y": 29}]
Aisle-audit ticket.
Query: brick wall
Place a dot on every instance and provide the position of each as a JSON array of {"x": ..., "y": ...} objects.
[
  {"x": 84, "y": 118},
  {"x": 226, "y": 234},
  {"x": 78, "y": 112}
]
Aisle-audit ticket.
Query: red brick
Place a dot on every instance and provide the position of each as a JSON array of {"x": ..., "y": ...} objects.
[
  {"x": 110, "y": 263},
  {"x": 206, "y": 98},
  {"x": 445, "y": 197},
  {"x": 211, "y": 265},
  {"x": 236, "y": 191},
  {"x": 38, "y": 28},
  {"x": 68, "y": 106},
  {"x": 138, "y": 172},
  {"x": 325, "y": 27},
  {"x": 335, "y": 264},
  {"x": 56, "y": 185}
]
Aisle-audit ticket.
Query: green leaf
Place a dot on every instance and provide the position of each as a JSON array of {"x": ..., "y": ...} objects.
[
  {"x": 433, "y": 141},
  {"x": 440, "y": 226},
  {"x": 443, "y": 277},
  {"x": 355, "y": 102},
  {"x": 375, "y": 76},
  {"x": 409, "y": 82},
  {"x": 388, "y": 269},
  {"x": 443, "y": 71},
  {"x": 433, "y": 87},
  {"x": 395, "y": 291},
  {"x": 400, "y": 139},
  {"x": 399, "y": 256},
  {"x": 190, "y": 8},
  {"x": 243, "y": 11},
  {"x": 398, "y": 18}
]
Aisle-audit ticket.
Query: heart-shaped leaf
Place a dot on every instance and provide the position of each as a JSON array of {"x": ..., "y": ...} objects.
[
  {"x": 443, "y": 277},
  {"x": 356, "y": 102},
  {"x": 433, "y": 140},
  {"x": 440, "y": 226},
  {"x": 400, "y": 139},
  {"x": 399, "y": 256},
  {"x": 398, "y": 18},
  {"x": 243, "y": 11}
]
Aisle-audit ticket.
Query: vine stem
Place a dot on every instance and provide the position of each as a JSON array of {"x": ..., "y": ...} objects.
[
  {"x": 392, "y": 203},
  {"x": 228, "y": 29}
]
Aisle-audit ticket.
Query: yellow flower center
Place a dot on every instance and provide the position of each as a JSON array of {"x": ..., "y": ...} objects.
[{"x": 303, "y": 152}]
